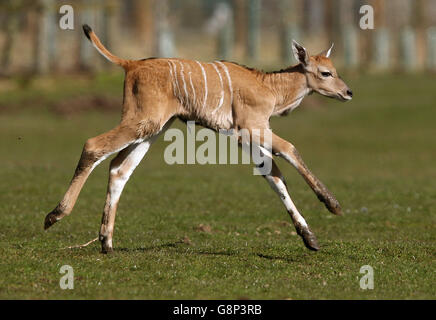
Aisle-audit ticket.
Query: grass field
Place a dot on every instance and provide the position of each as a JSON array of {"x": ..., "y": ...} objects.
[{"x": 215, "y": 231}]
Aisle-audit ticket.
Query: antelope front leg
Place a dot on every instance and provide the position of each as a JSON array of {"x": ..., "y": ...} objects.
[
  {"x": 287, "y": 151},
  {"x": 278, "y": 184}
]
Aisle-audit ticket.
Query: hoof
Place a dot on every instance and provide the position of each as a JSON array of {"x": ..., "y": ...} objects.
[
  {"x": 334, "y": 207},
  {"x": 310, "y": 241},
  {"x": 106, "y": 245},
  {"x": 309, "y": 238},
  {"x": 107, "y": 250},
  {"x": 50, "y": 220},
  {"x": 330, "y": 203}
]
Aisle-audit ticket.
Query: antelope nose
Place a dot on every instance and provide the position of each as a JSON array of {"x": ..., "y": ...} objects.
[{"x": 349, "y": 92}]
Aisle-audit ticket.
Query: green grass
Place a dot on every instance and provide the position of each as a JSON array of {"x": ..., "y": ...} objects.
[{"x": 376, "y": 154}]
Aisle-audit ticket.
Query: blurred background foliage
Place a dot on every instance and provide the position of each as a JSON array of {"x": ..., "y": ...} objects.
[{"x": 254, "y": 32}]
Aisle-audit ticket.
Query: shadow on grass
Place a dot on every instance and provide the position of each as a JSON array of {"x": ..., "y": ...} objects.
[
  {"x": 270, "y": 257},
  {"x": 229, "y": 253},
  {"x": 176, "y": 244},
  {"x": 150, "y": 248}
]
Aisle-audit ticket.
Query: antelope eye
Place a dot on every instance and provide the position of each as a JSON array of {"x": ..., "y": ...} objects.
[{"x": 326, "y": 74}]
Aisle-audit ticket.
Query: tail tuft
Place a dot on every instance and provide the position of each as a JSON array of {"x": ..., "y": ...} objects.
[{"x": 87, "y": 29}]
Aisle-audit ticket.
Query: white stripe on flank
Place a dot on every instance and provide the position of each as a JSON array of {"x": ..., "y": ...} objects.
[
  {"x": 222, "y": 88},
  {"x": 183, "y": 80},
  {"x": 192, "y": 86},
  {"x": 175, "y": 77},
  {"x": 205, "y": 83},
  {"x": 226, "y": 71},
  {"x": 172, "y": 78},
  {"x": 176, "y": 81}
]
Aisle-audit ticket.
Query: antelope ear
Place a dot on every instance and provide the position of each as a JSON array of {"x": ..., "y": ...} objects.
[
  {"x": 300, "y": 53},
  {"x": 326, "y": 53}
]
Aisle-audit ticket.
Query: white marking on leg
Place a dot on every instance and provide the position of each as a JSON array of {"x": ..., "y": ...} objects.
[
  {"x": 280, "y": 188},
  {"x": 226, "y": 71},
  {"x": 289, "y": 159},
  {"x": 220, "y": 103},
  {"x": 101, "y": 159},
  {"x": 109, "y": 241},
  {"x": 140, "y": 148},
  {"x": 205, "y": 83},
  {"x": 132, "y": 160}
]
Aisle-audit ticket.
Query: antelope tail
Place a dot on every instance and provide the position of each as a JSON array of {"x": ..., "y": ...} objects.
[{"x": 101, "y": 48}]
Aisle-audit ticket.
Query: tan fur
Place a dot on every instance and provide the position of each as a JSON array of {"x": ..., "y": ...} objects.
[{"x": 217, "y": 95}]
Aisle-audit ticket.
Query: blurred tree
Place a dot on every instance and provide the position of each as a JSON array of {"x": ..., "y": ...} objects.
[
  {"x": 10, "y": 28},
  {"x": 381, "y": 45},
  {"x": 240, "y": 25},
  {"x": 429, "y": 18},
  {"x": 314, "y": 17},
  {"x": 46, "y": 40},
  {"x": 408, "y": 52},
  {"x": 143, "y": 19},
  {"x": 164, "y": 36},
  {"x": 253, "y": 39},
  {"x": 109, "y": 8},
  {"x": 220, "y": 25},
  {"x": 349, "y": 33},
  {"x": 85, "y": 50},
  {"x": 290, "y": 21},
  {"x": 431, "y": 49},
  {"x": 330, "y": 20},
  {"x": 365, "y": 37}
]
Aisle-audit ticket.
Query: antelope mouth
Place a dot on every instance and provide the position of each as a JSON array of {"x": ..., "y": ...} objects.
[{"x": 343, "y": 98}]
